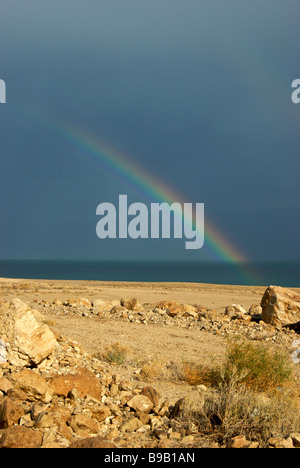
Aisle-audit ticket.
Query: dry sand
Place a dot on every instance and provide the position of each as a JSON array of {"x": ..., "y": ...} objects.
[{"x": 208, "y": 295}]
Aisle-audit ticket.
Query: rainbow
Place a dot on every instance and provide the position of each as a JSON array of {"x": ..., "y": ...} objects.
[
  {"x": 120, "y": 165},
  {"x": 147, "y": 184}
]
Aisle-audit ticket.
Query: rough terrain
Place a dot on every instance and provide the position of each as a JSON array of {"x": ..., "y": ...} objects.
[{"x": 158, "y": 327}]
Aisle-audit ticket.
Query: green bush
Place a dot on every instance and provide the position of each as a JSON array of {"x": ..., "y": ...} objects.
[{"x": 262, "y": 367}]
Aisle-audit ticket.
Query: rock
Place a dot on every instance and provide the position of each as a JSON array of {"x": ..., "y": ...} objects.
[
  {"x": 295, "y": 436},
  {"x": 44, "y": 420},
  {"x": 5, "y": 384},
  {"x": 239, "y": 442},
  {"x": 103, "y": 305},
  {"x": 164, "y": 305},
  {"x": 84, "y": 381},
  {"x": 131, "y": 425},
  {"x": 20, "y": 437},
  {"x": 81, "y": 422},
  {"x": 278, "y": 442},
  {"x": 32, "y": 384},
  {"x": 212, "y": 315},
  {"x": 101, "y": 413},
  {"x": 10, "y": 413},
  {"x": 280, "y": 306},
  {"x": 152, "y": 394},
  {"x": 140, "y": 403},
  {"x": 235, "y": 310},
  {"x": 189, "y": 311},
  {"x": 93, "y": 442},
  {"x": 255, "y": 312},
  {"x": 57, "y": 302},
  {"x": 174, "y": 310},
  {"x": 82, "y": 301},
  {"x": 30, "y": 342},
  {"x": 131, "y": 304}
]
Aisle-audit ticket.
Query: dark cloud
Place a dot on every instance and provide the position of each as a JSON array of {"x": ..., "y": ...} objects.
[{"x": 198, "y": 96}]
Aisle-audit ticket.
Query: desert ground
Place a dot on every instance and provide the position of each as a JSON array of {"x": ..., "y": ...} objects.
[
  {"x": 150, "y": 342},
  {"x": 70, "y": 311}
]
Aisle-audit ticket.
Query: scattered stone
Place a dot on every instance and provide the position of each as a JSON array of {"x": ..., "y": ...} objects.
[
  {"x": 239, "y": 442},
  {"x": 78, "y": 302},
  {"x": 131, "y": 304},
  {"x": 255, "y": 312},
  {"x": 131, "y": 425},
  {"x": 140, "y": 403},
  {"x": 83, "y": 424},
  {"x": 278, "y": 442},
  {"x": 235, "y": 310}
]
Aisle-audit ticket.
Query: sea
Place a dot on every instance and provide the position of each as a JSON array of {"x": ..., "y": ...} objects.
[{"x": 253, "y": 274}]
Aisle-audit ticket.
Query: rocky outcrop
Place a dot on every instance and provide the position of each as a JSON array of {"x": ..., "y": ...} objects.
[
  {"x": 280, "y": 306},
  {"x": 27, "y": 340}
]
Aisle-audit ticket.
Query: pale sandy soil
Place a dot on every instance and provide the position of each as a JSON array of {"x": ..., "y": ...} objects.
[{"x": 208, "y": 295}]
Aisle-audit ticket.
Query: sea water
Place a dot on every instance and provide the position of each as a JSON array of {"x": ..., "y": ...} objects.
[{"x": 255, "y": 274}]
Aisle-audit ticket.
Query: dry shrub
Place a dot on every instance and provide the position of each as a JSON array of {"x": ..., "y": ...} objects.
[
  {"x": 234, "y": 409},
  {"x": 254, "y": 393},
  {"x": 192, "y": 373},
  {"x": 116, "y": 353},
  {"x": 154, "y": 370}
]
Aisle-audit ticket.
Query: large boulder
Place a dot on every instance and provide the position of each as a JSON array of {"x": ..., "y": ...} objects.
[
  {"x": 30, "y": 340},
  {"x": 32, "y": 384},
  {"x": 20, "y": 437},
  {"x": 280, "y": 306},
  {"x": 84, "y": 381}
]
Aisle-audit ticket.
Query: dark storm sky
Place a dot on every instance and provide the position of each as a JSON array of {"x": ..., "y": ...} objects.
[{"x": 197, "y": 93}]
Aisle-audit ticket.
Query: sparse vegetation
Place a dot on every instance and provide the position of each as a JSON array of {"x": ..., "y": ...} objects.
[
  {"x": 116, "y": 353},
  {"x": 263, "y": 367},
  {"x": 233, "y": 409},
  {"x": 153, "y": 370},
  {"x": 252, "y": 394}
]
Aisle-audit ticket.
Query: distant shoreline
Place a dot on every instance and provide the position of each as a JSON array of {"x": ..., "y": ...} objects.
[
  {"x": 213, "y": 296},
  {"x": 249, "y": 274}
]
